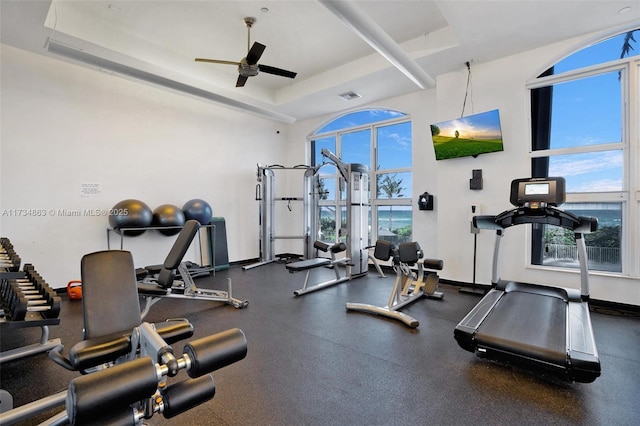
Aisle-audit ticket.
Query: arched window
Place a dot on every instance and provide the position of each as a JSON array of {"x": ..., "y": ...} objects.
[
  {"x": 380, "y": 139},
  {"x": 584, "y": 115}
]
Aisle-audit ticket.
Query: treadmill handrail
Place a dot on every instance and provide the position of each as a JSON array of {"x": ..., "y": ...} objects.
[{"x": 547, "y": 215}]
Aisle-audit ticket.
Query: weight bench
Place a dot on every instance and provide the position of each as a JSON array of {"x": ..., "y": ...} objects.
[
  {"x": 164, "y": 285},
  {"x": 310, "y": 264},
  {"x": 408, "y": 287}
]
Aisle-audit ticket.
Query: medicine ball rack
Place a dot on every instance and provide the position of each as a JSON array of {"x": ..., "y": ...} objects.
[{"x": 211, "y": 234}]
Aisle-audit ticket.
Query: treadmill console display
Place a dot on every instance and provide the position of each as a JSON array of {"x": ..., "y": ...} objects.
[
  {"x": 537, "y": 192},
  {"x": 536, "y": 188}
]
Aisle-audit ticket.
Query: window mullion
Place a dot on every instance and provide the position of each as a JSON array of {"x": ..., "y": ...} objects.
[
  {"x": 577, "y": 150},
  {"x": 577, "y": 74}
]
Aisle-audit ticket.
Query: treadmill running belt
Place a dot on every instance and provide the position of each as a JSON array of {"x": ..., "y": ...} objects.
[{"x": 527, "y": 324}]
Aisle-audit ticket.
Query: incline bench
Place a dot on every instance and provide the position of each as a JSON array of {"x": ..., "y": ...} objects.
[{"x": 154, "y": 290}]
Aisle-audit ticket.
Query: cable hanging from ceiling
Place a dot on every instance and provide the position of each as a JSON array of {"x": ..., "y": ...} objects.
[{"x": 469, "y": 90}]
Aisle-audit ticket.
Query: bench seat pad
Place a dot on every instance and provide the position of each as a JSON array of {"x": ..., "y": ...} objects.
[{"x": 303, "y": 265}]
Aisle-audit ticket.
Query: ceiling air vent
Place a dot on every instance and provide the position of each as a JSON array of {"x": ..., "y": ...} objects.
[{"x": 348, "y": 96}]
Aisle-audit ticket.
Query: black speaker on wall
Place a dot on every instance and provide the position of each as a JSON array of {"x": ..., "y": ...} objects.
[
  {"x": 425, "y": 201},
  {"x": 476, "y": 179}
]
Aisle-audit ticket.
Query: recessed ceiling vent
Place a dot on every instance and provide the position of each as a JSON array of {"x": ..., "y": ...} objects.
[{"x": 348, "y": 96}]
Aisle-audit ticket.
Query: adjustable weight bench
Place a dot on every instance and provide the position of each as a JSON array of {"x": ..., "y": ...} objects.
[
  {"x": 165, "y": 286},
  {"x": 310, "y": 264}
]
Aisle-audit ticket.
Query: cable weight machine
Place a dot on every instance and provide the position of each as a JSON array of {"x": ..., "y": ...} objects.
[
  {"x": 265, "y": 194},
  {"x": 354, "y": 178}
]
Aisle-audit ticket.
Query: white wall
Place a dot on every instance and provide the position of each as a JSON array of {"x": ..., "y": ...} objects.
[{"x": 63, "y": 125}]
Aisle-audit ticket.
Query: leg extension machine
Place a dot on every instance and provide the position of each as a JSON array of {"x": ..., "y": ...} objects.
[
  {"x": 408, "y": 286},
  {"x": 133, "y": 391}
]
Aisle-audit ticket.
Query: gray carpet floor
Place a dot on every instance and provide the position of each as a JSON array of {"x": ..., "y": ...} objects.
[{"x": 310, "y": 362}]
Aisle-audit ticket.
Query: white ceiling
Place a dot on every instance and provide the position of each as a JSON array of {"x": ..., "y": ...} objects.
[{"x": 162, "y": 38}]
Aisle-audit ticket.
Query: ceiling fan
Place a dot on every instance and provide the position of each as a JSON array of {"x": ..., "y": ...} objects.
[{"x": 248, "y": 66}]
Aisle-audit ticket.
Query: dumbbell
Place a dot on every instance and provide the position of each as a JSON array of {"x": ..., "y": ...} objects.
[
  {"x": 33, "y": 286},
  {"x": 34, "y": 281},
  {"x": 31, "y": 293},
  {"x": 47, "y": 303},
  {"x": 51, "y": 309},
  {"x": 6, "y": 289},
  {"x": 31, "y": 273},
  {"x": 7, "y": 251},
  {"x": 5, "y": 245},
  {"x": 10, "y": 260}
]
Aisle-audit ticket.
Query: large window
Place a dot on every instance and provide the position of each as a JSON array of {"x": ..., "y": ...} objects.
[
  {"x": 584, "y": 115},
  {"x": 381, "y": 140}
]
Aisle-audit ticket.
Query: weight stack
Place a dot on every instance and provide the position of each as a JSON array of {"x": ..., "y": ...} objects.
[{"x": 218, "y": 251}]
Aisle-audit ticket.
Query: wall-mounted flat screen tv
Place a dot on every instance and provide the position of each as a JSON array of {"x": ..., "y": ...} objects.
[{"x": 467, "y": 136}]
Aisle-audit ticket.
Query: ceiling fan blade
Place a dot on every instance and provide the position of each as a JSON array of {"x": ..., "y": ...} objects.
[
  {"x": 255, "y": 52},
  {"x": 277, "y": 71},
  {"x": 242, "y": 79},
  {"x": 216, "y": 61}
]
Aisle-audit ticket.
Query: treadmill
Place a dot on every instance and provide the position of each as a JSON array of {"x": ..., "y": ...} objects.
[{"x": 535, "y": 326}]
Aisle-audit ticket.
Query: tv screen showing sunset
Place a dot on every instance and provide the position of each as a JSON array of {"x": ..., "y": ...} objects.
[{"x": 467, "y": 136}]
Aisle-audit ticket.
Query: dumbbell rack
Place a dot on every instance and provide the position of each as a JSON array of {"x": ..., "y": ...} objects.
[{"x": 26, "y": 301}]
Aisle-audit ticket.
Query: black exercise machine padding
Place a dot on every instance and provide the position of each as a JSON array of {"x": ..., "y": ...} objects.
[
  {"x": 177, "y": 252},
  {"x": 216, "y": 351},
  {"x": 109, "y": 275},
  {"x": 409, "y": 252},
  {"x": 111, "y": 310},
  {"x": 303, "y": 265},
  {"x": 99, "y": 350},
  {"x": 317, "y": 262},
  {"x": 184, "y": 395},
  {"x": 383, "y": 250},
  {"x": 101, "y": 395}
]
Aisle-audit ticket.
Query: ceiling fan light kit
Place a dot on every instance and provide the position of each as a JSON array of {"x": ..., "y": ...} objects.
[{"x": 248, "y": 66}]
